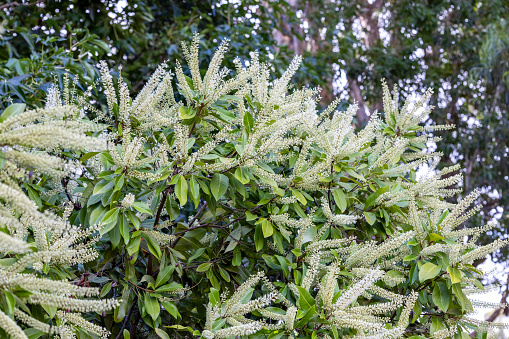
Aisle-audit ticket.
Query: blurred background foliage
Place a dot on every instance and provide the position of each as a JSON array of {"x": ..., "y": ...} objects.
[{"x": 460, "y": 48}]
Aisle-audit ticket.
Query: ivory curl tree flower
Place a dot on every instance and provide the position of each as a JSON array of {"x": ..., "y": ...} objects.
[
  {"x": 228, "y": 206},
  {"x": 38, "y": 249}
]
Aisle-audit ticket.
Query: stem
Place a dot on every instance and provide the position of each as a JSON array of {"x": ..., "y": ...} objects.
[
  {"x": 120, "y": 334},
  {"x": 160, "y": 208},
  {"x": 137, "y": 317},
  {"x": 194, "y": 124}
]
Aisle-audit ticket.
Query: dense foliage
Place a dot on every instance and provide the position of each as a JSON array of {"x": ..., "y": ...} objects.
[
  {"x": 229, "y": 206},
  {"x": 457, "y": 47}
]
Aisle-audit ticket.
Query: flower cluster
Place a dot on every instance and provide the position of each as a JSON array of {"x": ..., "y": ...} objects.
[{"x": 31, "y": 241}]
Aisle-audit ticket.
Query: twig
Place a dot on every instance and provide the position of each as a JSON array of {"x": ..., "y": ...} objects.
[
  {"x": 120, "y": 334},
  {"x": 202, "y": 208}
]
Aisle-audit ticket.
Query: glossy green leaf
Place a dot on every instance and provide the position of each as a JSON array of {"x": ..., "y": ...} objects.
[
  {"x": 214, "y": 297},
  {"x": 152, "y": 245},
  {"x": 151, "y": 306},
  {"x": 164, "y": 275},
  {"x": 110, "y": 216},
  {"x": 12, "y": 111},
  {"x": 305, "y": 301},
  {"x": 161, "y": 334},
  {"x": 219, "y": 185},
  {"x": 454, "y": 274},
  {"x": 142, "y": 207},
  {"x": 340, "y": 199},
  {"x": 267, "y": 228},
  {"x": 370, "y": 217},
  {"x": 428, "y": 271},
  {"x": 181, "y": 190},
  {"x": 441, "y": 296},
  {"x": 203, "y": 267}
]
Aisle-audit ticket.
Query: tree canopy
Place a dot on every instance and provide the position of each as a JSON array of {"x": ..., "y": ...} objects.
[
  {"x": 215, "y": 219},
  {"x": 238, "y": 210},
  {"x": 456, "y": 47}
]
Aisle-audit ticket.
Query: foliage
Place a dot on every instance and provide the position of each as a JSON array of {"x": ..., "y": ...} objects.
[
  {"x": 456, "y": 47},
  {"x": 40, "y": 252},
  {"x": 241, "y": 209},
  {"x": 52, "y": 37},
  {"x": 347, "y": 46}
]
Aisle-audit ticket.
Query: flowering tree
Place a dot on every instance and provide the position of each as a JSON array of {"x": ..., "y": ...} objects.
[{"x": 236, "y": 210}]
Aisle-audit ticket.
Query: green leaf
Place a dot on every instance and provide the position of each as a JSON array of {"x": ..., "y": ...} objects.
[
  {"x": 308, "y": 315},
  {"x": 103, "y": 186},
  {"x": 124, "y": 228},
  {"x": 134, "y": 245},
  {"x": 455, "y": 274},
  {"x": 181, "y": 190},
  {"x": 181, "y": 328},
  {"x": 120, "y": 311},
  {"x": 410, "y": 257},
  {"x": 142, "y": 207},
  {"x": 259, "y": 239},
  {"x": 372, "y": 198},
  {"x": 417, "y": 311},
  {"x": 2, "y": 160},
  {"x": 435, "y": 237},
  {"x": 340, "y": 199},
  {"x": 248, "y": 122},
  {"x": 264, "y": 201},
  {"x": 196, "y": 255},
  {"x": 173, "y": 286},
  {"x": 161, "y": 334},
  {"x": 11, "y": 111},
  {"x": 370, "y": 217},
  {"x": 111, "y": 216},
  {"x": 152, "y": 306},
  {"x": 237, "y": 257},
  {"x": 114, "y": 235},
  {"x": 267, "y": 228},
  {"x": 230, "y": 97},
  {"x": 302, "y": 199},
  {"x": 186, "y": 112},
  {"x": 214, "y": 297},
  {"x": 152, "y": 245},
  {"x": 428, "y": 271},
  {"x": 355, "y": 174},
  {"x": 242, "y": 175},
  {"x": 219, "y": 185},
  {"x": 170, "y": 307},
  {"x": 164, "y": 275},
  {"x": 119, "y": 182},
  {"x": 134, "y": 219},
  {"x": 250, "y": 216},
  {"x": 105, "y": 290},
  {"x": 306, "y": 301},
  {"x": 225, "y": 114},
  {"x": 283, "y": 264},
  {"x": 441, "y": 296},
  {"x": 195, "y": 191},
  {"x": 204, "y": 267},
  {"x": 464, "y": 302},
  {"x": 10, "y": 301},
  {"x": 297, "y": 252},
  {"x": 102, "y": 44},
  {"x": 87, "y": 156},
  {"x": 224, "y": 274}
]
